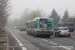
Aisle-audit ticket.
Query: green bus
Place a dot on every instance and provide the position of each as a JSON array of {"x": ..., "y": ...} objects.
[{"x": 40, "y": 26}]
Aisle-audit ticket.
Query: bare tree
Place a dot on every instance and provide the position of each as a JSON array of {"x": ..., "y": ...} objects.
[
  {"x": 3, "y": 13},
  {"x": 28, "y": 15}
]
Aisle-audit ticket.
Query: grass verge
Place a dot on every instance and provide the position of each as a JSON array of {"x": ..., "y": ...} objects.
[
  {"x": 2, "y": 38},
  {"x": 3, "y": 34}
]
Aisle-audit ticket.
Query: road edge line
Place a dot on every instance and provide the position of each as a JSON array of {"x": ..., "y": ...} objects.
[{"x": 22, "y": 47}]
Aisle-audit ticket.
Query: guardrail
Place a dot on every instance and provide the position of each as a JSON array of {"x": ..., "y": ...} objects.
[
  {"x": 2, "y": 46},
  {"x": 3, "y": 41}
]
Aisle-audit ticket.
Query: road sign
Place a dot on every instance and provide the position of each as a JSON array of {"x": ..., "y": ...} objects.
[{"x": 62, "y": 20}]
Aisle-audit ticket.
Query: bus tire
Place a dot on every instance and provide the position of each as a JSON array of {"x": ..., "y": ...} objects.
[
  {"x": 55, "y": 35},
  {"x": 35, "y": 35},
  {"x": 27, "y": 32}
]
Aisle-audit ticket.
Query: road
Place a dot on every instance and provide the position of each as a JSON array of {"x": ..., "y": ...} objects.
[{"x": 20, "y": 40}]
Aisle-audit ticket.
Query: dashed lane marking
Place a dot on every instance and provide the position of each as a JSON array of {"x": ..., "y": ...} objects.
[
  {"x": 56, "y": 44},
  {"x": 53, "y": 43},
  {"x": 45, "y": 40},
  {"x": 18, "y": 41},
  {"x": 49, "y": 41},
  {"x": 65, "y": 47},
  {"x": 20, "y": 44},
  {"x": 23, "y": 48}
]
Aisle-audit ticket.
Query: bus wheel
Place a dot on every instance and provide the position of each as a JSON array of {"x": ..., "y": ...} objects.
[
  {"x": 27, "y": 32},
  {"x": 35, "y": 35},
  {"x": 55, "y": 35}
]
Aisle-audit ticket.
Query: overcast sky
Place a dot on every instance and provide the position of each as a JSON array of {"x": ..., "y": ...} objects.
[{"x": 46, "y": 5}]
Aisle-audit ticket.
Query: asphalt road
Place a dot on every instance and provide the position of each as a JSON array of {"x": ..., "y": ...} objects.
[{"x": 20, "y": 40}]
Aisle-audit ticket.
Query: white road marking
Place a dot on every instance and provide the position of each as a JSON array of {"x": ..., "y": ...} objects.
[
  {"x": 23, "y": 48},
  {"x": 45, "y": 40},
  {"x": 16, "y": 38},
  {"x": 53, "y": 43},
  {"x": 56, "y": 44},
  {"x": 20, "y": 44},
  {"x": 49, "y": 42},
  {"x": 65, "y": 47},
  {"x": 18, "y": 41}
]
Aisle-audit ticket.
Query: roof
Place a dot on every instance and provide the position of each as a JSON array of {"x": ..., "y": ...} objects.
[
  {"x": 62, "y": 27},
  {"x": 42, "y": 18},
  {"x": 29, "y": 21}
]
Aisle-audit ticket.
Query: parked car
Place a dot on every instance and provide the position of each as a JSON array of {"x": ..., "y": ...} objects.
[
  {"x": 55, "y": 28},
  {"x": 3, "y": 29},
  {"x": 71, "y": 28},
  {"x": 62, "y": 31},
  {"x": 22, "y": 29}
]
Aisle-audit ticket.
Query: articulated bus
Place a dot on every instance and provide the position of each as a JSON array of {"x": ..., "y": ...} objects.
[{"x": 40, "y": 26}]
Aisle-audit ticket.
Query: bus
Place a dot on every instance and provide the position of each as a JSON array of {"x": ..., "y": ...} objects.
[{"x": 40, "y": 26}]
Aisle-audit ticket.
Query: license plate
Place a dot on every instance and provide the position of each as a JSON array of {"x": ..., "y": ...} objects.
[
  {"x": 45, "y": 31},
  {"x": 65, "y": 33}
]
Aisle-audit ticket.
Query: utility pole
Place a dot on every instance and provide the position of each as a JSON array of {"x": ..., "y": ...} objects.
[{"x": 62, "y": 21}]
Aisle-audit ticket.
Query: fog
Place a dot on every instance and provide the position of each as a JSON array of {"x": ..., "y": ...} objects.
[
  {"x": 23, "y": 9},
  {"x": 46, "y": 5}
]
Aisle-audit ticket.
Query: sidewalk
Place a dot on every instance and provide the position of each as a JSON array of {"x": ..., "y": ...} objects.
[{"x": 73, "y": 33}]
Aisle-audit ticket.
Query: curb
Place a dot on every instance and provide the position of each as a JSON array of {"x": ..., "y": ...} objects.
[
  {"x": 7, "y": 44},
  {"x": 72, "y": 33}
]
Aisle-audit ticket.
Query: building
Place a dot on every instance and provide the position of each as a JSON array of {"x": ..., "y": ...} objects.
[{"x": 70, "y": 23}]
